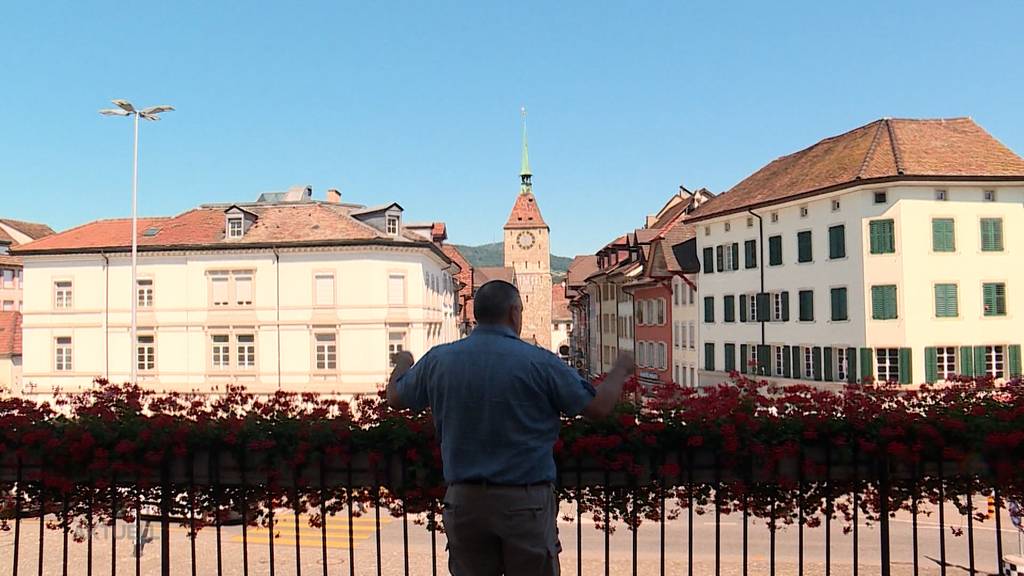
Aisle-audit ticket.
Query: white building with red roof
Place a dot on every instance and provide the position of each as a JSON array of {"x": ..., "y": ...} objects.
[
  {"x": 889, "y": 252},
  {"x": 285, "y": 293}
]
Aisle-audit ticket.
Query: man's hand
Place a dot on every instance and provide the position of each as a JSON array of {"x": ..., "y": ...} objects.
[
  {"x": 610, "y": 390},
  {"x": 403, "y": 361},
  {"x": 625, "y": 363}
]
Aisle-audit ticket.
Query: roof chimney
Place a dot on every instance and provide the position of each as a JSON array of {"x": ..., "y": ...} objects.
[{"x": 334, "y": 196}]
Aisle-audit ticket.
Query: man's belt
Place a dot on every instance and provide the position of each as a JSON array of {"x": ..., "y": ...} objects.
[{"x": 482, "y": 482}]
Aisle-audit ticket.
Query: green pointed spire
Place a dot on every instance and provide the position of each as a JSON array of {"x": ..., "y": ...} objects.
[{"x": 524, "y": 173}]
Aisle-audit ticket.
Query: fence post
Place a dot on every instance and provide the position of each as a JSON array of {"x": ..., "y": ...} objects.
[
  {"x": 883, "y": 513},
  {"x": 165, "y": 519}
]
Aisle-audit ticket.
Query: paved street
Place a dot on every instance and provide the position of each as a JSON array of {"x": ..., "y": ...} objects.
[{"x": 364, "y": 538}]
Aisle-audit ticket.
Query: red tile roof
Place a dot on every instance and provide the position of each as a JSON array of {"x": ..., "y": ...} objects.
[
  {"x": 525, "y": 213},
  {"x": 305, "y": 223},
  {"x": 559, "y": 303},
  {"x": 887, "y": 149},
  {"x": 465, "y": 278},
  {"x": 580, "y": 268},
  {"x": 10, "y": 333},
  {"x": 9, "y": 261},
  {"x": 33, "y": 230},
  {"x": 484, "y": 275}
]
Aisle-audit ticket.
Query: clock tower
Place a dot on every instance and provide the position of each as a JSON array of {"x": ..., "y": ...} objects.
[{"x": 527, "y": 250}]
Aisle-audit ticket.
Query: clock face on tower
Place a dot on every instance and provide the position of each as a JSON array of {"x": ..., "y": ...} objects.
[{"x": 525, "y": 240}]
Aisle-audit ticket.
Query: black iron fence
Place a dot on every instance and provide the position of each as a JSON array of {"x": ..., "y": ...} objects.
[{"x": 205, "y": 494}]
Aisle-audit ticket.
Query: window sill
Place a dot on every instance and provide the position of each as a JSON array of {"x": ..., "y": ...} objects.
[
  {"x": 843, "y": 321},
  {"x": 839, "y": 259}
]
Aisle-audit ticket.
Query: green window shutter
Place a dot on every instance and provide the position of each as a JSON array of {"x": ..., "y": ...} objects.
[
  {"x": 735, "y": 256},
  {"x": 851, "y": 365},
  {"x": 992, "y": 234},
  {"x": 967, "y": 361},
  {"x": 796, "y": 362},
  {"x": 750, "y": 248},
  {"x": 709, "y": 260},
  {"x": 946, "y": 301},
  {"x": 709, "y": 309},
  {"x": 882, "y": 237},
  {"x": 839, "y": 312},
  {"x": 743, "y": 358},
  {"x": 883, "y": 302},
  {"x": 931, "y": 365},
  {"x": 775, "y": 250},
  {"x": 803, "y": 243},
  {"x": 785, "y": 306},
  {"x": 816, "y": 362},
  {"x": 1014, "y": 354},
  {"x": 943, "y": 238},
  {"x": 906, "y": 367},
  {"x": 764, "y": 354},
  {"x": 720, "y": 257},
  {"x": 729, "y": 305},
  {"x": 730, "y": 356},
  {"x": 786, "y": 366},
  {"x": 867, "y": 363},
  {"x": 743, "y": 307},
  {"x": 827, "y": 359},
  {"x": 709, "y": 357},
  {"x": 979, "y": 360},
  {"x": 806, "y": 305},
  {"x": 763, "y": 307},
  {"x": 837, "y": 242},
  {"x": 994, "y": 298}
]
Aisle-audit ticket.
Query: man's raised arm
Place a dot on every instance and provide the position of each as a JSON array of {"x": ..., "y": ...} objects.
[{"x": 610, "y": 390}]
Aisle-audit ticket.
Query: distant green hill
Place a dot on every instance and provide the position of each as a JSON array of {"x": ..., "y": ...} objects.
[{"x": 488, "y": 255}]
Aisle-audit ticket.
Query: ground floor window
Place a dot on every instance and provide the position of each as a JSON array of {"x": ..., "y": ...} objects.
[
  {"x": 945, "y": 358},
  {"x": 887, "y": 364},
  {"x": 994, "y": 361},
  {"x": 693, "y": 376},
  {"x": 62, "y": 356},
  {"x": 808, "y": 362},
  {"x": 326, "y": 351},
  {"x": 780, "y": 360},
  {"x": 396, "y": 344},
  {"x": 220, "y": 351},
  {"x": 246, "y": 347},
  {"x": 842, "y": 364}
]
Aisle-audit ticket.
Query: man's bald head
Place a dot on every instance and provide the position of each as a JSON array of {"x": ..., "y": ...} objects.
[{"x": 498, "y": 302}]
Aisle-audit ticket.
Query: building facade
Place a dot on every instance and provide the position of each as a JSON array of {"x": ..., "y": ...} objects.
[
  {"x": 12, "y": 234},
  {"x": 886, "y": 253},
  {"x": 296, "y": 295}
]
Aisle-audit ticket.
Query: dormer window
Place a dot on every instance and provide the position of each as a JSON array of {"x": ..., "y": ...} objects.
[
  {"x": 235, "y": 227},
  {"x": 392, "y": 225}
]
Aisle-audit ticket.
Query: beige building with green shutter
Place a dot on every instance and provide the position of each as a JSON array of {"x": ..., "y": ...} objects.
[{"x": 889, "y": 252}]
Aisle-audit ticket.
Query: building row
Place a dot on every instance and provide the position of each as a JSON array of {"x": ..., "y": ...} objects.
[{"x": 888, "y": 252}]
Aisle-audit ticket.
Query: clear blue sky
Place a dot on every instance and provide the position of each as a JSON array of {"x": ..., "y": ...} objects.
[{"x": 419, "y": 101}]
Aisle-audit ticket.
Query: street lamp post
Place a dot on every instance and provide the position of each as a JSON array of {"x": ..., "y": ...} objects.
[{"x": 125, "y": 108}]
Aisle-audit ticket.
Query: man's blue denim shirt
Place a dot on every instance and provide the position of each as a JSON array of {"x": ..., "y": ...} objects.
[{"x": 496, "y": 402}]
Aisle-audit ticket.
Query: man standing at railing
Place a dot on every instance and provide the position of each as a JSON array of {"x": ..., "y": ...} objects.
[{"x": 497, "y": 404}]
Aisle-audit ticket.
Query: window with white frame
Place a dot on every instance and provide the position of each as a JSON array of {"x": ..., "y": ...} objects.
[
  {"x": 675, "y": 292},
  {"x": 727, "y": 260},
  {"x": 243, "y": 288},
  {"x": 144, "y": 287},
  {"x": 324, "y": 288},
  {"x": 990, "y": 195},
  {"x": 62, "y": 354},
  {"x": 808, "y": 370},
  {"x": 693, "y": 338},
  {"x": 62, "y": 290},
  {"x": 396, "y": 344},
  {"x": 392, "y": 225},
  {"x": 945, "y": 362},
  {"x": 780, "y": 360},
  {"x": 692, "y": 293},
  {"x": 235, "y": 227},
  {"x": 145, "y": 352},
  {"x": 245, "y": 345},
  {"x": 220, "y": 288},
  {"x": 8, "y": 278},
  {"x": 887, "y": 364},
  {"x": 777, "y": 306},
  {"x": 660, "y": 305},
  {"x": 220, "y": 351},
  {"x": 683, "y": 330},
  {"x": 641, "y": 354},
  {"x": 326, "y": 350},
  {"x": 396, "y": 289},
  {"x": 994, "y": 361},
  {"x": 842, "y": 364},
  {"x": 230, "y": 288},
  {"x": 662, "y": 356},
  {"x": 752, "y": 306}
]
